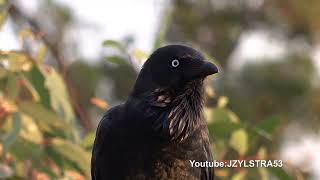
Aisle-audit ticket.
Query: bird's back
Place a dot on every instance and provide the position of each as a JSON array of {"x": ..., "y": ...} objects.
[{"x": 108, "y": 149}]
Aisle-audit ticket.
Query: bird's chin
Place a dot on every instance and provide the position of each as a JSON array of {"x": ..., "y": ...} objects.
[
  {"x": 197, "y": 81},
  {"x": 194, "y": 85}
]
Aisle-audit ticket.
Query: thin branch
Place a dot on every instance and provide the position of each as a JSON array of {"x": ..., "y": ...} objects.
[{"x": 18, "y": 15}]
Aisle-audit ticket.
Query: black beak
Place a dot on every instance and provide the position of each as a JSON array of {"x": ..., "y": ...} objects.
[
  {"x": 200, "y": 69},
  {"x": 207, "y": 68}
]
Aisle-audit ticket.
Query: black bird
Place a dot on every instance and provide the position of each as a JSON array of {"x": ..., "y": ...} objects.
[{"x": 155, "y": 133}]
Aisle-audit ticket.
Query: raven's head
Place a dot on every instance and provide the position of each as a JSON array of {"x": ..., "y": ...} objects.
[
  {"x": 172, "y": 78},
  {"x": 173, "y": 67}
]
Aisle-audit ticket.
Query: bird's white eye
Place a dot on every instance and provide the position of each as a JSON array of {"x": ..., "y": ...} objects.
[{"x": 175, "y": 63}]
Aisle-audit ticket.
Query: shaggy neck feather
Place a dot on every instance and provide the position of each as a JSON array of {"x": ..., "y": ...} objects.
[{"x": 186, "y": 112}]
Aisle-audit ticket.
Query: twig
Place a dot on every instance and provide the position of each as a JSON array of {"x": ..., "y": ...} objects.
[{"x": 17, "y": 15}]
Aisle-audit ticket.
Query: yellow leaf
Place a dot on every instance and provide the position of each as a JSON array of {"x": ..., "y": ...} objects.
[
  {"x": 20, "y": 168},
  {"x": 25, "y": 33},
  {"x": 30, "y": 130},
  {"x": 239, "y": 141},
  {"x": 140, "y": 55},
  {"x": 263, "y": 173},
  {"x": 15, "y": 61},
  {"x": 262, "y": 153},
  {"x": 41, "y": 54},
  {"x": 223, "y": 101},
  {"x": 3, "y": 11},
  {"x": 3, "y": 17},
  {"x": 208, "y": 114},
  {"x": 233, "y": 117},
  {"x": 240, "y": 175},
  {"x": 210, "y": 91}
]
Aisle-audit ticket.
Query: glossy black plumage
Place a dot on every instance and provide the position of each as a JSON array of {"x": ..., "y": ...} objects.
[{"x": 155, "y": 133}]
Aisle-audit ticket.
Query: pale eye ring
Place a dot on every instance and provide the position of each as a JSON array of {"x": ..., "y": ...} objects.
[{"x": 175, "y": 63}]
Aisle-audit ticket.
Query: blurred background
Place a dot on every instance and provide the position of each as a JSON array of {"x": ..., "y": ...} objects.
[{"x": 63, "y": 63}]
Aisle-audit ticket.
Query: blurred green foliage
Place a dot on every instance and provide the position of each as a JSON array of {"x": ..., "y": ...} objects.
[{"x": 39, "y": 134}]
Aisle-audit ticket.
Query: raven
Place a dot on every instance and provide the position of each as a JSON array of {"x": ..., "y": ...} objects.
[{"x": 160, "y": 128}]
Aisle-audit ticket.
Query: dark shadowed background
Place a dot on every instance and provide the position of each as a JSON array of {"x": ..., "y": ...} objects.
[{"x": 63, "y": 63}]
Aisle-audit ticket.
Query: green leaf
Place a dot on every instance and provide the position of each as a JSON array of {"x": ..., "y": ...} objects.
[
  {"x": 25, "y": 150},
  {"x": 220, "y": 148},
  {"x": 239, "y": 141},
  {"x": 89, "y": 140},
  {"x": 59, "y": 98},
  {"x": 37, "y": 79},
  {"x": 11, "y": 136},
  {"x": 33, "y": 92},
  {"x": 280, "y": 173},
  {"x": 223, "y": 129},
  {"x": 113, "y": 43},
  {"x": 221, "y": 115},
  {"x": 3, "y": 72},
  {"x": 47, "y": 120},
  {"x": 117, "y": 60},
  {"x": 12, "y": 86},
  {"x": 74, "y": 153},
  {"x": 267, "y": 127}
]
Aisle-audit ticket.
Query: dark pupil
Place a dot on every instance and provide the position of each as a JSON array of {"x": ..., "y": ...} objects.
[{"x": 175, "y": 63}]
